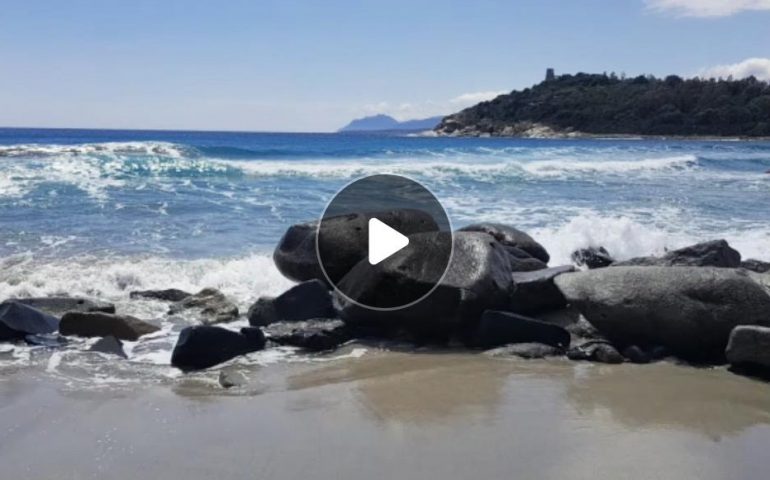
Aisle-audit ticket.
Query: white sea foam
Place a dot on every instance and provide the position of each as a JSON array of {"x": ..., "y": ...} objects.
[{"x": 165, "y": 149}]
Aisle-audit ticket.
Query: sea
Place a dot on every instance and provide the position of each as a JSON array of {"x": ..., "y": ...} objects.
[{"x": 100, "y": 213}]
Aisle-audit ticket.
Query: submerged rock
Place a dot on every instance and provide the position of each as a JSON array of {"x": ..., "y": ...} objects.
[
  {"x": 49, "y": 340},
  {"x": 595, "y": 350},
  {"x": 204, "y": 346},
  {"x": 525, "y": 350},
  {"x": 690, "y": 310},
  {"x": 109, "y": 345},
  {"x": 511, "y": 237},
  {"x": 230, "y": 377},
  {"x": 501, "y": 328},
  {"x": 97, "y": 324},
  {"x": 478, "y": 278},
  {"x": 18, "y": 320},
  {"x": 592, "y": 257},
  {"x": 315, "y": 335},
  {"x": 214, "y": 306},
  {"x": 535, "y": 292},
  {"x": 344, "y": 242},
  {"x": 635, "y": 354},
  {"x": 717, "y": 253},
  {"x": 305, "y": 301},
  {"x": 167, "y": 295},
  {"x": 58, "y": 306},
  {"x": 749, "y": 345}
]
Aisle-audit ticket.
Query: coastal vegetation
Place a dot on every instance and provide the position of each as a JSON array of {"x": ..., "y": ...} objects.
[{"x": 603, "y": 104}]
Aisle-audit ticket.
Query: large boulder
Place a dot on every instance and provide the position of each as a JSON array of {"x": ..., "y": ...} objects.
[
  {"x": 749, "y": 345},
  {"x": 716, "y": 253},
  {"x": 344, "y": 242},
  {"x": 97, "y": 324},
  {"x": 166, "y": 295},
  {"x": 535, "y": 292},
  {"x": 315, "y": 335},
  {"x": 204, "y": 346},
  {"x": 479, "y": 278},
  {"x": 511, "y": 237},
  {"x": 592, "y": 257},
  {"x": 58, "y": 306},
  {"x": 690, "y": 310},
  {"x": 18, "y": 320},
  {"x": 304, "y": 301},
  {"x": 213, "y": 305},
  {"x": 501, "y": 328}
]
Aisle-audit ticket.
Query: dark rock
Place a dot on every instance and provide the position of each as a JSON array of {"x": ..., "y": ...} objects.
[
  {"x": 596, "y": 350},
  {"x": 49, "y": 340},
  {"x": 511, "y": 237},
  {"x": 501, "y": 328},
  {"x": 167, "y": 295},
  {"x": 109, "y": 345},
  {"x": 97, "y": 324},
  {"x": 749, "y": 344},
  {"x": 535, "y": 291},
  {"x": 58, "y": 306},
  {"x": 478, "y": 278},
  {"x": 521, "y": 261},
  {"x": 18, "y": 320},
  {"x": 717, "y": 253},
  {"x": 204, "y": 346},
  {"x": 592, "y": 257},
  {"x": 255, "y": 335},
  {"x": 213, "y": 305},
  {"x": 344, "y": 242},
  {"x": 690, "y": 310},
  {"x": 636, "y": 355},
  {"x": 525, "y": 350},
  {"x": 305, "y": 301},
  {"x": 756, "y": 266},
  {"x": 315, "y": 335}
]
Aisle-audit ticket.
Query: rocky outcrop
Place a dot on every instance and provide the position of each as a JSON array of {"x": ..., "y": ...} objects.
[
  {"x": 97, "y": 324},
  {"x": 749, "y": 346},
  {"x": 166, "y": 295},
  {"x": 511, "y": 237},
  {"x": 213, "y": 305},
  {"x": 58, "y": 306},
  {"x": 343, "y": 245},
  {"x": 204, "y": 346},
  {"x": 305, "y": 301},
  {"x": 592, "y": 257},
  {"x": 18, "y": 320},
  {"x": 315, "y": 335},
  {"x": 535, "y": 292},
  {"x": 689, "y": 310},
  {"x": 717, "y": 253},
  {"x": 478, "y": 278},
  {"x": 501, "y": 328}
]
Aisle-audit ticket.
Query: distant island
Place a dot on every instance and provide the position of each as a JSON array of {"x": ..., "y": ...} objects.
[
  {"x": 600, "y": 104},
  {"x": 379, "y": 123}
]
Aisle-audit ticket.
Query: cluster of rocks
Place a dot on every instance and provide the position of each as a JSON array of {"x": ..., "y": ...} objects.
[{"x": 701, "y": 303}]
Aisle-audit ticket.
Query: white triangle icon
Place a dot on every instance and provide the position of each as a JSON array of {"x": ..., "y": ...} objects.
[{"x": 383, "y": 241}]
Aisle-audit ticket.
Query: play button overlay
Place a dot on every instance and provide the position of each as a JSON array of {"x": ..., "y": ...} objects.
[{"x": 384, "y": 242}]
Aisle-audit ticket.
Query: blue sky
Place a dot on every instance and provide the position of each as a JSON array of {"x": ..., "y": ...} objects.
[{"x": 312, "y": 65}]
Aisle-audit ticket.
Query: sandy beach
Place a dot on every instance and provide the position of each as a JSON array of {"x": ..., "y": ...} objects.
[{"x": 405, "y": 415}]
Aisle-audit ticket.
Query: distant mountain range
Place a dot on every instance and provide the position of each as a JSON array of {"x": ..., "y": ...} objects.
[{"x": 376, "y": 123}]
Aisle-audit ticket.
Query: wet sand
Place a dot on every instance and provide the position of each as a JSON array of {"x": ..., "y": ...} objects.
[{"x": 395, "y": 415}]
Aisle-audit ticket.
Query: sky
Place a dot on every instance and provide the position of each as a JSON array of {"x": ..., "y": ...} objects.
[{"x": 292, "y": 65}]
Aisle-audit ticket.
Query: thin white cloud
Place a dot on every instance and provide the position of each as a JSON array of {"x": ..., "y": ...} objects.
[
  {"x": 758, "y": 67},
  {"x": 429, "y": 108},
  {"x": 707, "y": 8}
]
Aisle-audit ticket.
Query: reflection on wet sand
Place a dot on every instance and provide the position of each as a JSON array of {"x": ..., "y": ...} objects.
[{"x": 712, "y": 402}]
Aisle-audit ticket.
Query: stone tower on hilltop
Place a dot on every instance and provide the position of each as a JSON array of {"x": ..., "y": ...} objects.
[{"x": 550, "y": 75}]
